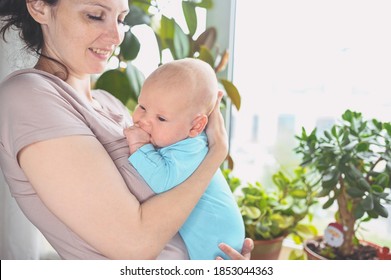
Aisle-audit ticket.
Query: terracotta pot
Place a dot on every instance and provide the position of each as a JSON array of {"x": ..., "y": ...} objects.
[
  {"x": 311, "y": 255},
  {"x": 267, "y": 249}
]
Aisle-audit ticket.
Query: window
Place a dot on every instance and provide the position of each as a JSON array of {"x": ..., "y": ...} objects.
[{"x": 303, "y": 63}]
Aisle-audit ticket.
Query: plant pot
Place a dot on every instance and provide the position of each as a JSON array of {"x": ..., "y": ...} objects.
[
  {"x": 267, "y": 249},
  {"x": 311, "y": 255}
]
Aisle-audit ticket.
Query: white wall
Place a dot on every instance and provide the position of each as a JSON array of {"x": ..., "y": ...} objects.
[{"x": 19, "y": 239}]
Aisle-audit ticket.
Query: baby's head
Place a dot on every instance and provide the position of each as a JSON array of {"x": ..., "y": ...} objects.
[{"x": 176, "y": 100}]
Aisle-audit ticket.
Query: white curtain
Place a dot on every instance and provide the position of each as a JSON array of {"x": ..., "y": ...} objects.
[{"x": 19, "y": 239}]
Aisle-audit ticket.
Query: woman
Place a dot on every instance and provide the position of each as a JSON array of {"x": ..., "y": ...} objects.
[{"x": 63, "y": 152}]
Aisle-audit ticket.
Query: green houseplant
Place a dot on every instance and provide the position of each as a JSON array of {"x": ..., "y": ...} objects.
[
  {"x": 126, "y": 79},
  {"x": 352, "y": 162},
  {"x": 271, "y": 214}
]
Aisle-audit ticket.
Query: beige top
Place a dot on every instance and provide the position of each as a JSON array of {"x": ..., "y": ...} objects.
[{"x": 36, "y": 106}]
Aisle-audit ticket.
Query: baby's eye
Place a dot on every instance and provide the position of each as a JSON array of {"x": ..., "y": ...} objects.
[
  {"x": 162, "y": 119},
  {"x": 141, "y": 107}
]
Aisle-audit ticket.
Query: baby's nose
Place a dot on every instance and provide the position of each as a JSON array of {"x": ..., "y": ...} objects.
[{"x": 144, "y": 124}]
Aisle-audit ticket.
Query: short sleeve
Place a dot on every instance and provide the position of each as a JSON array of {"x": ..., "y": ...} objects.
[{"x": 33, "y": 109}]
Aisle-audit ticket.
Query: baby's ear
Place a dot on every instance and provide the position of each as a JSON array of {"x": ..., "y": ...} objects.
[{"x": 198, "y": 125}]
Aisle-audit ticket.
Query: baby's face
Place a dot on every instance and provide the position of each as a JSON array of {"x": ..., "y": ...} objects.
[{"x": 166, "y": 115}]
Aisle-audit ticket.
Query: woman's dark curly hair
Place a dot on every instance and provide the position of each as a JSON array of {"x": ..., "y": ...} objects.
[{"x": 15, "y": 13}]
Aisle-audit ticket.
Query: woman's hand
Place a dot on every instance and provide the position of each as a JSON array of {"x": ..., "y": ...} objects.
[
  {"x": 248, "y": 246},
  {"x": 215, "y": 130}
]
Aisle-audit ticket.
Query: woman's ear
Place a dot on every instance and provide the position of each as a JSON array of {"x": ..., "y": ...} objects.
[
  {"x": 39, "y": 10},
  {"x": 198, "y": 125}
]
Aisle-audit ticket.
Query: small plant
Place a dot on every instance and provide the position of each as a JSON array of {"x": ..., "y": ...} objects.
[
  {"x": 352, "y": 161},
  {"x": 278, "y": 211}
]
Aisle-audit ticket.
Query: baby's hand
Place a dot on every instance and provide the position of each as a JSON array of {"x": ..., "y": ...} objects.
[{"x": 136, "y": 137}]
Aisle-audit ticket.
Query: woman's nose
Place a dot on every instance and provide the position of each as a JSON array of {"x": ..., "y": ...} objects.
[{"x": 115, "y": 33}]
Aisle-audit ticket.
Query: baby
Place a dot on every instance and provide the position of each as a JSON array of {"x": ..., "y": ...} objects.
[{"x": 168, "y": 142}]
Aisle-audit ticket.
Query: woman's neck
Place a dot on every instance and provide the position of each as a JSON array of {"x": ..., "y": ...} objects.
[{"x": 81, "y": 84}]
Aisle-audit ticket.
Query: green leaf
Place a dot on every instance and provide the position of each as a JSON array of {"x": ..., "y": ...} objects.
[
  {"x": 323, "y": 192},
  {"x": 387, "y": 127},
  {"x": 130, "y": 47},
  {"x": 363, "y": 146},
  {"x": 190, "y": 16},
  {"x": 330, "y": 178},
  {"x": 295, "y": 255},
  {"x": 328, "y": 135},
  {"x": 377, "y": 188},
  {"x": 137, "y": 16},
  {"x": 160, "y": 46},
  {"x": 309, "y": 230},
  {"x": 207, "y": 4},
  {"x": 350, "y": 146},
  {"x": 136, "y": 80},
  {"x": 328, "y": 203},
  {"x": 373, "y": 214},
  {"x": 355, "y": 192},
  {"x": 117, "y": 83},
  {"x": 206, "y": 38},
  {"x": 353, "y": 172},
  {"x": 174, "y": 37},
  {"x": 367, "y": 202},
  {"x": 181, "y": 43},
  {"x": 334, "y": 131},
  {"x": 347, "y": 115},
  {"x": 299, "y": 193},
  {"x": 383, "y": 180},
  {"x": 358, "y": 212},
  {"x": 206, "y": 55},
  {"x": 232, "y": 92},
  {"x": 263, "y": 230},
  {"x": 377, "y": 124},
  {"x": 166, "y": 31},
  {"x": 380, "y": 209},
  {"x": 363, "y": 184},
  {"x": 251, "y": 212}
]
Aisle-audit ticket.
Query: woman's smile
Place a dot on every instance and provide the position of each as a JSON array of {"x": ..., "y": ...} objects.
[{"x": 101, "y": 53}]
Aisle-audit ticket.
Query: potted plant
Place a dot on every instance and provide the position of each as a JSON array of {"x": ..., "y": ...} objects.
[
  {"x": 271, "y": 214},
  {"x": 352, "y": 162},
  {"x": 125, "y": 80}
]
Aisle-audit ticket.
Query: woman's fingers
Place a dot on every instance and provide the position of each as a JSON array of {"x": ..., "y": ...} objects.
[
  {"x": 217, "y": 134},
  {"x": 248, "y": 246}
]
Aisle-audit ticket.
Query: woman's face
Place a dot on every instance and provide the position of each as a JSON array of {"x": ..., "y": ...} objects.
[{"x": 82, "y": 34}]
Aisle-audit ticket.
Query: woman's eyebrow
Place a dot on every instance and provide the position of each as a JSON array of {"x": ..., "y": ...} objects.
[{"x": 94, "y": 3}]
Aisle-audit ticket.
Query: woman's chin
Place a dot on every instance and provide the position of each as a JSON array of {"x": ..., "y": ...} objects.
[{"x": 98, "y": 70}]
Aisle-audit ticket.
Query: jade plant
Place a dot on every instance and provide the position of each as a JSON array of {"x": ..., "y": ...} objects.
[
  {"x": 277, "y": 211},
  {"x": 352, "y": 161}
]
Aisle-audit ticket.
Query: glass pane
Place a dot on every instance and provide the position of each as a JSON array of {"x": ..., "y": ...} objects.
[{"x": 303, "y": 63}]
